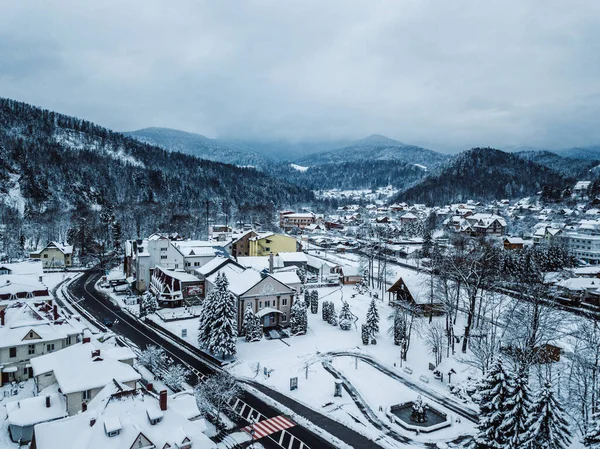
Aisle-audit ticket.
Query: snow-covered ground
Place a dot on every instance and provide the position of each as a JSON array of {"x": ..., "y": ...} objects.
[{"x": 299, "y": 167}]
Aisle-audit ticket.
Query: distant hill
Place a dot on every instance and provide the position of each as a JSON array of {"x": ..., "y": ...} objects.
[
  {"x": 350, "y": 175},
  {"x": 591, "y": 152},
  {"x": 567, "y": 166},
  {"x": 200, "y": 146},
  {"x": 376, "y": 148},
  {"x": 483, "y": 174},
  {"x": 287, "y": 151},
  {"x": 61, "y": 174}
]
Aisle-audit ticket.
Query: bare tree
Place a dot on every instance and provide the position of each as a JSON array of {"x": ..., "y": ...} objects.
[
  {"x": 213, "y": 395},
  {"x": 435, "y": 339}
]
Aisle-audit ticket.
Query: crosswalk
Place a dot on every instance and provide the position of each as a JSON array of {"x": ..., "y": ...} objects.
[{"x": 269, "y": 426}]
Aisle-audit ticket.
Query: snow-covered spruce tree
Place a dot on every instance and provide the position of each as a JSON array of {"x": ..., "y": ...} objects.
[
  {"x": 364, "y": 334},
  {"x": 346, "y": 317},
  {"x": 149, "y": 304},
  {"x": 591, "y": 439},
  {"x": 314, "y": 301},
  {"x": 373, "y": 318},
  {"x": 325, "y": 310},
  {"x": 175, "y": 376},
  {"x": 298, "y": 319},
  {"x": 517, "y": 412},
  {"x": 493, "y": 391},
  {"x": 223, "y": 335},
  {"x": 206, "y": 317},
  {"x": 547, "y": 427},
  {"x": 248, "y": 322},
  {"x": 307, "y": 296},
  {"x": 257, "y": 329},
  {"x": 332, "y": 319}
]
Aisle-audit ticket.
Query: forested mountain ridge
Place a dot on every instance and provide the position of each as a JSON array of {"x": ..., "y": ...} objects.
[
  {"x": 377, "y": 147},
  {"x": 483, "y": 174},
  {"x": 199, "y": 146},
  {"x": 570, "y": 167},
  {"x": 364, "y": 174},
  {"x": 61, "y": 174}
]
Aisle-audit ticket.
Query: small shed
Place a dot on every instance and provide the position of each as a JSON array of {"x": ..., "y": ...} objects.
[{"x": 400, "y": 294}]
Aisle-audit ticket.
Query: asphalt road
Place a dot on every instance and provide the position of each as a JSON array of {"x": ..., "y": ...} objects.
[{"x": 126, "y": 326}]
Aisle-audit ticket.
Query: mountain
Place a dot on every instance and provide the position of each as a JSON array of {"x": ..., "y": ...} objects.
[
  {"x": 569, "y": 167},
  {"x": 61, "y": 173},
  {"x": 199, "y": 146},
  {"x": 379, "y": 148},
  {"x": 591, "y": 152},
  {"x": 287, "y": 151},
  {"x": 483, "y": 174},
  {"x": 350, "y": 175}
]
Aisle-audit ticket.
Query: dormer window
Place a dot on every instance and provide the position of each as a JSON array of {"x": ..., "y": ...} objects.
[
  {"x": 112, "y": 426},
  {"x": 113, "y": 433}
]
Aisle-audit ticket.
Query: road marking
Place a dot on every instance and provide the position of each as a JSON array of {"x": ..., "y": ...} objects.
[{"x": 269, "y": 426}]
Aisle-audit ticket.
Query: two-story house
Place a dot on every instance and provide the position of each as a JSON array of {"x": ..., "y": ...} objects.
[
  {"x": 29, "y": 330},
  {"x": 54, "y": 254},
  {"x": 82, "y": 370}
]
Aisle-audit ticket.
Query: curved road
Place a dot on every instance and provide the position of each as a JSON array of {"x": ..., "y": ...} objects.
[{"x": 125, "y": 325}]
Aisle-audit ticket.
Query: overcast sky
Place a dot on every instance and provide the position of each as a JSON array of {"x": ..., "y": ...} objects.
[{"x": 446, "y": 74}]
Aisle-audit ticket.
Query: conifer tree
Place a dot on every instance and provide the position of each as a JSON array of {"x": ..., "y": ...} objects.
[
  {"x": 591, "y": 439},
  {"x": 325, "y": 311},
  {"x": 373, "y": 318},
  {"x": 206, "y": 316},
  {"x": 516, "y": 412},
  {"x": 223, "y": 335},
  {"x": 298, "y": 319},
  {"x": 257, "y": 329},
  {"x": 346, "y": 317},
  {"x": 248, "y": 322},
  {"x": 364, "y": 334},
  {"x": 493, "y": 391},
  {"x": 314, "y": 302},
  {"x": 332, "y": 318},
  {"x": 547, "y": 427}
]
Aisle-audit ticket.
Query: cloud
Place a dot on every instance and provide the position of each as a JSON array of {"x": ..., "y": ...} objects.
[{"x": 446, "y": 74}]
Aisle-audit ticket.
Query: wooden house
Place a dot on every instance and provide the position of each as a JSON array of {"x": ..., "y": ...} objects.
[{"x": 407, "y": 293}]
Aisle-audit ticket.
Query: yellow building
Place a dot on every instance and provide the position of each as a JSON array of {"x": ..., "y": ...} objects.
[
  {"x": 54, "y": 254},
  {"x": 265, "y": 244}
]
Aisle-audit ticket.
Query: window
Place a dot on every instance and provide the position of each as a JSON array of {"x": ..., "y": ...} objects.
[
  {"x": 284, "y": 302},
  {"x": 114, "y": 433},
  {"x": 163, "y": 257},
  {"x": 50, "y": 347},
  {"x": 163, "y": 249},
  {"x": 283, "y": 317},
  {"x": 12, "y": 352},
  {"x": 268, "y": 248},
  {"x": 31, "y": 349},
  {"x": 68, "y": 340},
  {"x": 176, "y": 265},
  {"x": 45, "y": 256},
  {"x": 267, "y": 303},
  {"x": 260, "y": 304},
  {"x": 86, "y": 395}
]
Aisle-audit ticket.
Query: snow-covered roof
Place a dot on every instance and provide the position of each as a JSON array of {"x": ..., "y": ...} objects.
[
  {"x": 24, "y": 324},
  {"x": 128, "y": 413},
  {"x": 514, "y": 240},
  {"x": 295, "y": 256},
  {"x": 62, "y": 247},
  {"x": 287, "y": 277},
  {"x": 350, "y": 270},
  {"x": 579, "y": 284},
  {"x": 13, "y": 284},
  {"x": 179, "y": 275},
  {"x": 259, "y": 263},
  {"x": 30, "y": 411},
  {"x": 76, "y": 370},
  {"x": 28, "y": 267},
  {"x": 582, "y": 185},
  {"x": 195, "y": 248},
  {"x": 316, "y": 262}
]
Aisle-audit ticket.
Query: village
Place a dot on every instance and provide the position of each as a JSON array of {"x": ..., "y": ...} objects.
[{"x": 359, "y": 315}]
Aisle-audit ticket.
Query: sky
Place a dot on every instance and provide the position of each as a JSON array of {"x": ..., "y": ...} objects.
[{"x": 448, "y": 75}]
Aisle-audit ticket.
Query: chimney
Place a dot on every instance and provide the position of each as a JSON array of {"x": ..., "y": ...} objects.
[
  {"x": 48, "y": 401},
  {"x": 149, "y": 386},
  {"x": 92, "y": 422},
  {"x": 96, "y": 353},
  {"x": 86, "y": 340},
  {"x": 84, "y": 406},
  {"x": 163, "y": 400},
  {"x": 55, "y": 312},
  {"x": 271, "y": 263},
  {"x": 2, "y": 313}
]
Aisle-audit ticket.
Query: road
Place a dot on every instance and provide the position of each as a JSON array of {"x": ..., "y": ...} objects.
[{"x": 128, "y": 327}]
